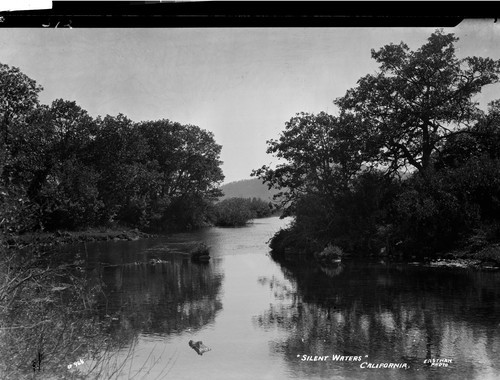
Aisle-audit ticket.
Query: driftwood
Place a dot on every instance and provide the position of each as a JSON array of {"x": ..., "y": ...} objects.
[{"x": 199, "y": 347}]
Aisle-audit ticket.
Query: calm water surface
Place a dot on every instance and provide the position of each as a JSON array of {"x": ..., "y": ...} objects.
[{"x": 261, "y": 319}]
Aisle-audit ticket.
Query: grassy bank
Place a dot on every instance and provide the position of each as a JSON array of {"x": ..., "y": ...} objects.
[{"x": 71, "y": 237}]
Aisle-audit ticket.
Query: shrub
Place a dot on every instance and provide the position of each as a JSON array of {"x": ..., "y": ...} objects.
[
  {"x": 331, "y": 253},
  {"x": 232, "y": 212}
]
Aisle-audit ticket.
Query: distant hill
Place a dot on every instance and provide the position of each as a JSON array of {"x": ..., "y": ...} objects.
[{"x": 247, "y": 188}]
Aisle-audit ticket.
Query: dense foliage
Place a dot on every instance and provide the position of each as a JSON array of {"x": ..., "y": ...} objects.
[
  {"x": 235, "y": 212},
  {"x": 62, "y": 168},
  {"x": 410, "y": 164}
]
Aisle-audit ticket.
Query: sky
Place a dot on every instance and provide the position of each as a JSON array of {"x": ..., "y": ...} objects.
[{"x": 242, "y": 84}]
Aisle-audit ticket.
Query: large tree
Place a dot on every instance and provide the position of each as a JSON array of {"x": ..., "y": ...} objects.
[
  {"x": 18, "y": 98},
  {"x": 54, "y": 162},
  {"x": 128, "y": 180},
  {"x": 187, "y": 156},
  {"x": 187, "y": 159},
  {"x": 418, "y": 99},
  {"x": 48, "y": 137},
  {"x": 319, "y": 155}
]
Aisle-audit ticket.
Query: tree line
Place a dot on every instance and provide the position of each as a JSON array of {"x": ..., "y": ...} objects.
[
  {"x": 409, "y": 164},
  {"x": 60, "y": 168}
]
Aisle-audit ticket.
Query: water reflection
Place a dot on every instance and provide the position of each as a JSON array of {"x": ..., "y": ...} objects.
[
  {"x": 399, "y": 314},
  {"x": 95, "y": 327},
  {"x": 135, "y": 316},
  {"x": 150, "y": 287},
  {"x": 163, "y": 298}
]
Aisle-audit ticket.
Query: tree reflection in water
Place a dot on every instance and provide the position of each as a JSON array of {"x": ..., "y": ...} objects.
[
  {"x": 164, "y": 298},
  {"x": 73, "y": 325},
  {"x": 390, "y": 313}
]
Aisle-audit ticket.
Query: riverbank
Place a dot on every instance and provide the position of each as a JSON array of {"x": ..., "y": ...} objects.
[
  {"x": 487, "y": 257},
  {"x": 71, "y": 237},
  {"x": 286, "y": 246}
]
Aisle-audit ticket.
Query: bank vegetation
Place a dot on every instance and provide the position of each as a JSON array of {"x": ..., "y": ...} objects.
[
  {"x": 237, "y": 211},
  {"x": 409, "y": 167},
  {"x": 65, "y": 177}
]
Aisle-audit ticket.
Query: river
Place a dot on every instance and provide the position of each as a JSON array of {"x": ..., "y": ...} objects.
[{"x": 263, "y": 320}]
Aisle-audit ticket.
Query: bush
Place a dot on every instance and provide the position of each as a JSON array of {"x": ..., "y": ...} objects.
[
  {"x": 201, "y": 249},
  {"x": 260, "y": 208},
  {"x": 330, "y": 254},
  {"x": 233, "y": 212}
]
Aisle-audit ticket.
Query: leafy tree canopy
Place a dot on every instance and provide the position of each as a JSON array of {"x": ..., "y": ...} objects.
[
  {"x": 72, "y": 170},
  {"x": 320, "y": 154},
  {"x": 418, "y": 99}
]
